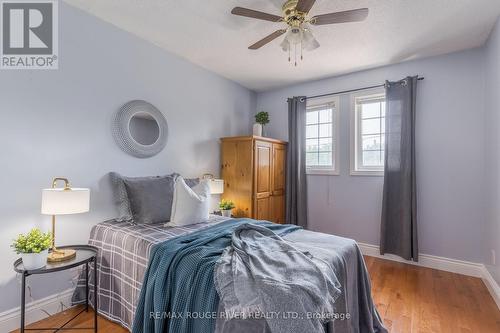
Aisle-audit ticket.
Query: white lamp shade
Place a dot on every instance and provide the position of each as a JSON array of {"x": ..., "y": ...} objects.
[
  {"x": 58, "y": 201},
  {"x": 216, "y": 186},
  {"x": 309, "y": 42},
  {"x": 294, "y": 36},
  {"x": 285, "y": 45}
]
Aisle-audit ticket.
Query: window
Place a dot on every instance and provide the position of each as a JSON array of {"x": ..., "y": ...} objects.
[
  {"x": 368, "y": 133},
  {"x": 322, "y": 136}
]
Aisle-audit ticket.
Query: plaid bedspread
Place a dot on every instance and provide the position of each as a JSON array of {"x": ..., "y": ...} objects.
[{"x": 124, "y": 249}]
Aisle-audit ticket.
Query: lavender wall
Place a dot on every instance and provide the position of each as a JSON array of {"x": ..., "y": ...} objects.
[
  {"x": 450, "y": 156},
  {"x": 58, "y": 123},
  {"x": 492, "y": 226}
]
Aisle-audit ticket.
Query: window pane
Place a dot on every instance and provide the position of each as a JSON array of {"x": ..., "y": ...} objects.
[
  {"x": 320, "y": 146},
  {"x": 370, "y": 131},
  {"x": 311, "y": 131},
  {"x": 325, "y": 116},
  {"x": 311, "y": 117},
  {"x": 370, "y": 126},
  {"x": 325, "y": 159},
  {"x": 325, "y": 145},
  {"x": 312, "y": 145},
  {"x": 372, "y": 142},
  {"x": 371, "y": 110},
  {"x": 371, "y": 158},
  {"x": 325, "y": 130},
  {"x": 311, "y": 159}
]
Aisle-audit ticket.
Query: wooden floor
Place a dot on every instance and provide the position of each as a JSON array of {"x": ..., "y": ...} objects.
[
  {"x": 410, "y": 299},
  {"x": 86, "y": 319},
  {"x": 416, "y": 299}
]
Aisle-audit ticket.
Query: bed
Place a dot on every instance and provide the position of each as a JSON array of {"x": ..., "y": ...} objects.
[{"x": 123, "y": 260}]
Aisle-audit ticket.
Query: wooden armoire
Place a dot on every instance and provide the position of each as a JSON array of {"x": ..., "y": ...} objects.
[{"x": 253, "y": 169}]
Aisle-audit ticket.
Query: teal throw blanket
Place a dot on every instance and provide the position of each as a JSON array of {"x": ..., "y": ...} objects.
[{"x": 178, "y": 293}]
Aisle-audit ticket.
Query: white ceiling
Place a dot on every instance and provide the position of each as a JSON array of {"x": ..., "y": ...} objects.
[{"x": 205, "y": 33}]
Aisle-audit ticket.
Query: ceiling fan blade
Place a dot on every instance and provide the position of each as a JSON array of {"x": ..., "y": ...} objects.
[
  {"x": 355, "y": 15},
  {"x": 305, "y": 6},
  {"x": 256, "y": 14},
  {"x": 267, "y": 39}
]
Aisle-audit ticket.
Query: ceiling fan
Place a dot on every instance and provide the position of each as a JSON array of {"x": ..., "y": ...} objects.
[{"x": 298, "y": 31}]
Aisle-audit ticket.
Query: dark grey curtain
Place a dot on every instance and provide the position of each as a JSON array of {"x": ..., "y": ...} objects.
[
  {"x": 399, "y": 209},
  {"x": 296, "y": 182}
]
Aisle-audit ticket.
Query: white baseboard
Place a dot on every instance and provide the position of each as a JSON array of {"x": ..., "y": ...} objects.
[
  {"x": 445, "y": 264},
  {"x": 11, "y": 319},
  {"x": 425, "y": 260},
  {"x": 492, "y": 286}
]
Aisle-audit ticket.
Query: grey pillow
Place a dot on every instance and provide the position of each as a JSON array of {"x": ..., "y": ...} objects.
[
  {"x": 151, "y": 198},
  {"x": 145, "y": 199},
  {"x": 192, "y": 182},
  {"x": 120, "y": 197}
]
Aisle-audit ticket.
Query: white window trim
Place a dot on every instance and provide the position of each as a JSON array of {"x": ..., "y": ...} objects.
[
  {"x": 355, "y": 137},
  {"x": 318, "y": 171}
]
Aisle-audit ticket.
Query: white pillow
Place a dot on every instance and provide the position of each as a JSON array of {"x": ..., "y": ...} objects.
[{"x": 189, "y": 205}]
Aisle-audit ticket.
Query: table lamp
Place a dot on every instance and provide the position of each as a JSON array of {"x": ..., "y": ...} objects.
[
  {"x": 216, "y": 185},
  {"x": 63, "y": 201}
]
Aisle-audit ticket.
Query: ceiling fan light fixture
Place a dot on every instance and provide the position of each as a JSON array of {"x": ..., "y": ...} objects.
[
  {"x": 294, "y": 35},
  {"x": 313, "y": 45},
  {"x": 285, "y": 45},
  {"x": 309, "y": 43}
]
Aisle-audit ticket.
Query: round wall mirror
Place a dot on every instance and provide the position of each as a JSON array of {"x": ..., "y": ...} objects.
[
  {"x": 144, "y": 128},
  {"x": 140, "y": 129}
]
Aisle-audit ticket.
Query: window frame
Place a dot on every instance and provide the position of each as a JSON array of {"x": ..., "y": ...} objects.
[
  {"x": 356, "y": 135},
  {"x": 316, "y": 104}
]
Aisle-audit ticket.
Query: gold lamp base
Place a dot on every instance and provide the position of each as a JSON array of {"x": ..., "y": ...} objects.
[{"x": 61, "y": 255}]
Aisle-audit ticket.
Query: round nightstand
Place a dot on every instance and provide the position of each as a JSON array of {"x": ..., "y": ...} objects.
[{"x": 85, "y": 254}]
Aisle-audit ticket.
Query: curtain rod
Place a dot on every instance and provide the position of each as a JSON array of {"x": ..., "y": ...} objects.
[{"x": 351, "y": 90}]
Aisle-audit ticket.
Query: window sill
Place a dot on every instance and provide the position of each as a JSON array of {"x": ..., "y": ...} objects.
[
  {"x": 369, "y": 173},
  {"x": 316, "y": 172}
]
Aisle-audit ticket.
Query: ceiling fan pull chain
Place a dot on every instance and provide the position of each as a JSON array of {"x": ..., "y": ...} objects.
[{"x": 295, "y": 47}]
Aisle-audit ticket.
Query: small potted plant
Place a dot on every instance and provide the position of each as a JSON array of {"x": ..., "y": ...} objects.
[
  {"x": 33, "y": 248},
  {"x": 226, "y": 207},
  {"x": 261, "y": 119}
]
